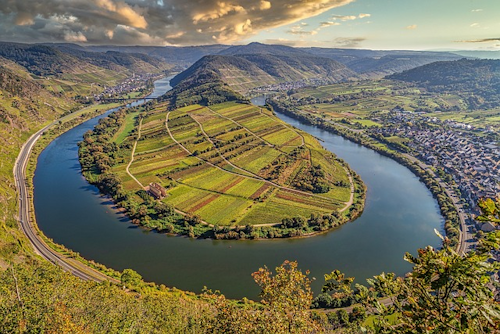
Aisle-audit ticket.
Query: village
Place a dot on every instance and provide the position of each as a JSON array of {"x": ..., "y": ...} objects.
[
  {"x": 462, "y": 151},
  {"x": 132, "y": 84}
]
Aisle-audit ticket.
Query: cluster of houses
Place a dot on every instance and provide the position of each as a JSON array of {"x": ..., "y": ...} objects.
[
  {"x": 131, "y": 84},
  {"x": 472, "y": 160},
  {"x": 286, "y": 86}
]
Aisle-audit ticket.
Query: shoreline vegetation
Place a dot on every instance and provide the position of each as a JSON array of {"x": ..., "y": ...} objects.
[
  {"x": 447, "y": 209},
  {"x": 84, "y": 114},
  {"x": 100, "y": 154}
]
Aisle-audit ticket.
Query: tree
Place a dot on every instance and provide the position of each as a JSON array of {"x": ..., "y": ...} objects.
[
  {"x": 445, "y": 292},
  {"x": 286, "y": 298},
  {"x": 131, "y": 278}
]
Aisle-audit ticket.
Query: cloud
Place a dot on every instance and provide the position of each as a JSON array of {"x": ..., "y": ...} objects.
[
  {"x": 178, "y": 22},
  {"x": 302, "y": 32},
  {"x": 483, "y": 40},
  {"x": 298, "y": 30},
  {"x": 474, "y": 25},
  {"x": 74, "y": 37},
  {"x": 476, "y": 10},
  {"x": 264, "y": 5},
  {"x": 344, "y": 17},
  {"x": 328, "y": 24},
  {"x": 350, "y": 17},
  {"x": 411, "y": 27},
  {"x": 348, "y": 42}
]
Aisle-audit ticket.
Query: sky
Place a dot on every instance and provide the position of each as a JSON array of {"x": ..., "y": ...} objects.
[{"x": 368, "y": 24}]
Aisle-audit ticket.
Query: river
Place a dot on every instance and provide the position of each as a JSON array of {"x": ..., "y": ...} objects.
[{"x": 399, "y": 216}]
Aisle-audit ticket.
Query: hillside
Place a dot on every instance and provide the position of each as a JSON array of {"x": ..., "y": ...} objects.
[
  {"x": 367, "y": 63},
  {"x": 378, "y": 63},
  {"x": 476, "y": 80},
  {"x": 38, "y": 84},
  {"x": 180, "y": 56},
  {"x": 243, "y": 72},
  {"x": 44, "y": 60}
]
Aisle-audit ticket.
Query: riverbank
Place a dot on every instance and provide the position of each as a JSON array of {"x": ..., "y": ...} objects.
[
  {"x": 447, "y": 207},
  {"x": 400, "y": 216},
  {"x": 24, "y": 171}
]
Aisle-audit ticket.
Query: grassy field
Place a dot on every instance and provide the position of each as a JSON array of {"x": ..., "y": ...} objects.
[
  {"x": 231, "y": 164},
  {"x": 360, "y": 102}
]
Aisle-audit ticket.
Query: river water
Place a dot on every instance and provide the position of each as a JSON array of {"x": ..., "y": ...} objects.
[{"x": 399, "y": 216}]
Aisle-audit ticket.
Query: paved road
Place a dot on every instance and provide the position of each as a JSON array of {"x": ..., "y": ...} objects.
[
  {"x": 466, "y": 238},
  {"x": 73, "y": 266}
]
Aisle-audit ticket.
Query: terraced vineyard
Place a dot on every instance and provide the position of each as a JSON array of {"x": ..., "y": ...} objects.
[{"x": 231, "y": 164}]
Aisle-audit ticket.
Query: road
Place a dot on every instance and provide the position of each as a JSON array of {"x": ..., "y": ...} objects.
[
  {"x": 466, "y": 238},
  {"x": 68, "y": 264}
]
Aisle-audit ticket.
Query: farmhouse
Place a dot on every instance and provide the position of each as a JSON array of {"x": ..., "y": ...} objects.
[{"x": 157, "y": 190}]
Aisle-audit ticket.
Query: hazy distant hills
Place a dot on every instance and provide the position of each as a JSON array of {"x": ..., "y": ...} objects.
[
  {"x": 479, "y": 78},
  {"x": 479, "y": 54},
  {"x": 368, "y": 63},
  {"x": 375, "y": 63}
]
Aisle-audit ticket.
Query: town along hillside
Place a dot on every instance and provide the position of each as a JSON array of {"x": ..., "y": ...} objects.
[{"x": 230, "y": 170}]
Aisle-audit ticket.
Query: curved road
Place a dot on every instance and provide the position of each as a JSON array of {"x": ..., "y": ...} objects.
[{"x": 68, "y": 264}]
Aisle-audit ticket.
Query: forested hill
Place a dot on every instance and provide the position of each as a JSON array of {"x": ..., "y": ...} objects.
[
  {"x": 202, "y": 84},
  {"x": 43, "y": 60},
  {"x": 246, "y": 71},
  {"x": 477, "y": 79}
]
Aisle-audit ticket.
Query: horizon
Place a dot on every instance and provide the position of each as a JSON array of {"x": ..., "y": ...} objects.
[
  {"x": 234, "y": 45},
  {"x": 343, "y": 24}
]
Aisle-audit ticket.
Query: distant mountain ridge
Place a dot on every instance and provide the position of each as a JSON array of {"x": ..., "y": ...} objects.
[
  {"x": 255, "y": 65},
  {"x": 368, "y": 63},
  {"x": 44, "y": 60},
  {"x": 379, "y": 63}
]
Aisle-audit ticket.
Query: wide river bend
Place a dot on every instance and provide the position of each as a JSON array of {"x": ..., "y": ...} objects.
[{"x": 399, "y": 216}]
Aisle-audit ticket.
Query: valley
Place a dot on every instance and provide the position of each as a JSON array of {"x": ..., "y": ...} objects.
[{"x": 201, "y": 161}]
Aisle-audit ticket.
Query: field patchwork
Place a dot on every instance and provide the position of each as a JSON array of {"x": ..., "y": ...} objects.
[{"x": 231, "y": 164}]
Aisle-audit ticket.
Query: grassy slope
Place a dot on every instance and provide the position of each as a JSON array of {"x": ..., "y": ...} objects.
[
  {"x": 24, "y": 107},
  {"x": 48, "y": 298}
]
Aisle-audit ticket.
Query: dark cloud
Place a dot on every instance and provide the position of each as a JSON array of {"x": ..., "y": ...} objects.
[
  {"x": 150, "y": 21},
  {"x": 483, "y": 40}
]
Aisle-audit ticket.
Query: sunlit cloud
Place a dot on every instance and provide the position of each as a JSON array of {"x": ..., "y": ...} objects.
[
  {"x": 348, "y": 42},
  {"x": 298, "y": 30},
  {"x": 328, "y": 24},
  {"x": 411, "y": 27},
  {"x": 344, "y": 17},
  {"x": 174, "y": 22}
]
